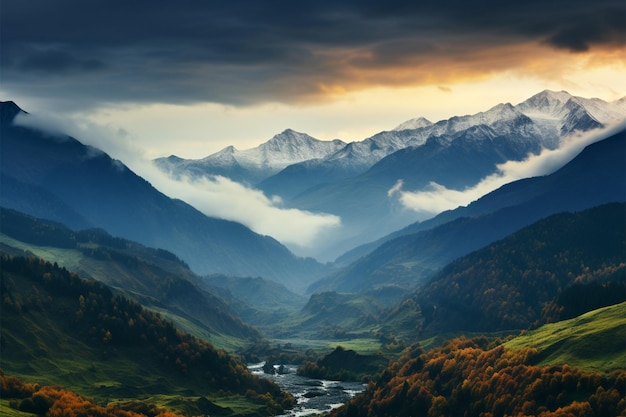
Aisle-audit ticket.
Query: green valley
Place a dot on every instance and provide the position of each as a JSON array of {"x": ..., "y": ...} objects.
[{"x": 59, "y": 329}]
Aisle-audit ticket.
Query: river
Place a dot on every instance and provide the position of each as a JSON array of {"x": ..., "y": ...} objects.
[{"x": 314, "y": 396}]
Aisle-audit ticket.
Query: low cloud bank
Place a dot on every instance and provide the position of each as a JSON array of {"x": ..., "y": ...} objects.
[
  {"x": 218, "y": 196},
  {"x": 436, "y": 198},
  {"x": 215, "y": 196}
]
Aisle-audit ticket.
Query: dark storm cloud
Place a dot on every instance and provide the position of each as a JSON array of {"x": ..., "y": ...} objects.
[
  {"x": 55, "y": 61},
  {"x": 249, "y": 51}
]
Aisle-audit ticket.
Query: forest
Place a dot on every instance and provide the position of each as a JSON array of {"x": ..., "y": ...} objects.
[
  {"x": 111, "y": 327},
  {"x": 555, "y": 269},
  {"x": 59, "y": 402},
  {"x": 480, "y": 378}
]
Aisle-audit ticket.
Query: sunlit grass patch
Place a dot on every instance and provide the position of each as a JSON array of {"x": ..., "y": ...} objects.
[{"x": 595, "y": 341}]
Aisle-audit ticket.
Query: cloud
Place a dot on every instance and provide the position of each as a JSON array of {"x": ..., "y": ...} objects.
[
  {"x": 217, "y": 196},
  {"x": 437, "y": 198},
  {"x": 244, "y": 52},
  {"x": 51, "y": 61},
  {"x": 117, "y": 142}
]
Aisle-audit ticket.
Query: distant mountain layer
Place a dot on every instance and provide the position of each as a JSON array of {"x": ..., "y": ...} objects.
[
  {"x": 102, "y": 192},
  {"x": 253, "y": 165},
  {"x": 596, "y": 176},
  {"x": 353, "y": 180},
  {"x": 543, "y": 118}
]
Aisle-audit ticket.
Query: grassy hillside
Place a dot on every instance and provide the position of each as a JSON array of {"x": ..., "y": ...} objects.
[
  {"x": 58, "y": 329},
  {"x": 594, "y": 341}
]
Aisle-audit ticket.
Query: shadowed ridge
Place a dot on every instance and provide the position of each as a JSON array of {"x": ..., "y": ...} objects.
[{"x": 8, "y": 111}]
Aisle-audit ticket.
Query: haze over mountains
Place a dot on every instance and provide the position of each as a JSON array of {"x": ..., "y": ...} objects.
[
  {"x": 56, "y": 177},
  {"x": 369, "y": 184},
  {"x": 409, "y": 256}
]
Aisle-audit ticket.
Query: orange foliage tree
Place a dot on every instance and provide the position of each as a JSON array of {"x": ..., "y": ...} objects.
[{"x": 467, "y": 377}]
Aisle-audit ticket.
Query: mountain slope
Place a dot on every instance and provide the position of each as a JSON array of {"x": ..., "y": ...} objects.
[
  {"x": 577, "y": 341},
  {"x": 58, "y": 329},
  {"x": 455, "y": 153},
  {"x": 106, "y": 194},
  {"x": 154, "y": 277},
  {"x": 596, "y": 176},
  {"x": 473, "y": 377},
  {"x": 554, "y": 269}
]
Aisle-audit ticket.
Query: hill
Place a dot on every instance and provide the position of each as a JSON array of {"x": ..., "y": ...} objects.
[
  {"x": 475, "y": 377},
  {"x": 407, "y": 258},
  {"x": 557, "y": 268},
  {"x": 261, "y": 303},
  {"x": 154, "y": 277},
  {"x": 106, "y": 194},
  {"x": 594, "y": 341},
  {"x": 59, "y": 329}
]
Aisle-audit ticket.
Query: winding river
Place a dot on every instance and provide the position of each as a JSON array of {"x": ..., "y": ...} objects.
[{"x": 314, "y": 396}]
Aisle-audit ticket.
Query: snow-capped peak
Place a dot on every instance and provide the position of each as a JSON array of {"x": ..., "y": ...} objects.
[
  {"x": 289, "y": 147},
  {"x": 547, "y": 103},
  {"x": 415, "y": 123}
]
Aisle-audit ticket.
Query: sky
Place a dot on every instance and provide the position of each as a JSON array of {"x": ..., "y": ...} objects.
[{"x": 143, "y": 79}]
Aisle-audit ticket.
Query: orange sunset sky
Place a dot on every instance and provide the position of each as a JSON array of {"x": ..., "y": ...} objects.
[{"x": 156, "y": 78}]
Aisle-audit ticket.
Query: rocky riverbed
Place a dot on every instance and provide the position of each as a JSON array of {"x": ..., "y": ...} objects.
[{"x": 314, "y": 396}]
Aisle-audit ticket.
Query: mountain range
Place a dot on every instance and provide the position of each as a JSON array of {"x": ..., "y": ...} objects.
[
  {"x": 409, "y": 256},
  {"x": 354, "y": 180},
  {"x": 56, "y": 177},
  {"x": 154, "y": 277},
  {"x": 251, "y": 166}
]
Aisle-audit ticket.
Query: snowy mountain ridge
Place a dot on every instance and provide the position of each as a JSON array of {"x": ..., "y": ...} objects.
[
  {"x": 545, "y": 117},
  {"x": 282, "y": 150},
  {"x": 540, "y": 121}
]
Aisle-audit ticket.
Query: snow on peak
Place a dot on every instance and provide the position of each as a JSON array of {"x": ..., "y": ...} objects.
[
  {"x": 415, "y": 123},
  {"x": 547, "y": 102},
  {"x": 290, "y": 147}
]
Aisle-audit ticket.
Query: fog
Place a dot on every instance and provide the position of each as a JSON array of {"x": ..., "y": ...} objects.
[{"x": 436, "y": 198}]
